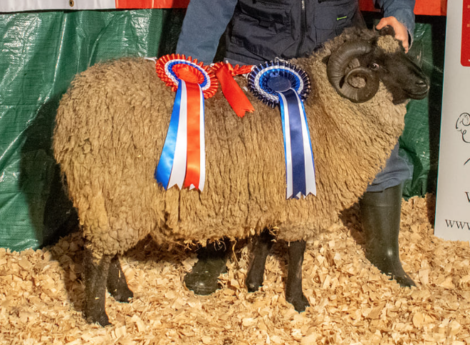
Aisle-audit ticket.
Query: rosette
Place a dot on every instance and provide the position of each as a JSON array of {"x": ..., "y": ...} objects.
[
  {"x": 282, "y": 83},
  {"x": 182, "y": 161},
  {"x": 232, "y": 92}
]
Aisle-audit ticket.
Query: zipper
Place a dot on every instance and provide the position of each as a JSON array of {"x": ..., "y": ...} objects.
[{"x": 303, "y": 26}]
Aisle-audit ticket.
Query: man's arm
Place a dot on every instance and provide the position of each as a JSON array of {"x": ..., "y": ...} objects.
[
  {"x": 399, "y": 14},
  {"x": 204, "y": 23}
]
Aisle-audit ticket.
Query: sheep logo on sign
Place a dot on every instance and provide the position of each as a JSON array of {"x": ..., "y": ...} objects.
[{"x": 462, "y": 125}]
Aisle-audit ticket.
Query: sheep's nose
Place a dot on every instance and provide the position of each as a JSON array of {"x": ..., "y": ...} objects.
[{"x": 422, "y": 84}]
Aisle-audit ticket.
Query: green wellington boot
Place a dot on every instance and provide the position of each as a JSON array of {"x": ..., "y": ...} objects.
[
  {"x": 204, "y": 277},
  {"x": 381, "y": 223}
]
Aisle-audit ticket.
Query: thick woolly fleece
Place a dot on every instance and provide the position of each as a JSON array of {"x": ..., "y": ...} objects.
[{"x": 112, "y": 123}]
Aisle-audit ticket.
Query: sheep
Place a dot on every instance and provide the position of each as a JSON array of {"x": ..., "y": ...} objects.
[{"x": 112, "y": 122}]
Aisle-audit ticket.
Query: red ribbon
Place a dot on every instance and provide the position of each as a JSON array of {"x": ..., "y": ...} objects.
[
  {"x": 231, "y": 90},
  {"x": 193, "y": 166},
  {"x": 192, "y": 78}
]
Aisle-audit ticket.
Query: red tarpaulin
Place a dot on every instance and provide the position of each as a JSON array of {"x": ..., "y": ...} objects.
[
  {"x": 127, "y": 4},
  {"x": 422, "y": 7}
]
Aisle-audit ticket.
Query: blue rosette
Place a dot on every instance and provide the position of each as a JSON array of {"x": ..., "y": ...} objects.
[{"x": 281, "y": 83}]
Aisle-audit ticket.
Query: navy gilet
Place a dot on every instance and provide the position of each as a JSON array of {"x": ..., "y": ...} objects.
[{"x": 261, "y": 30}]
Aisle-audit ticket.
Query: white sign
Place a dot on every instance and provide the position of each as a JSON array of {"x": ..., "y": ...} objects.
[{"x": 453, "y": 185}]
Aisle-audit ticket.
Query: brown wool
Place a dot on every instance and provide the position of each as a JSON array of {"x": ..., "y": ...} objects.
[
  {"x": 388, "y": 44},
  {"x": 111, "y": 127}
]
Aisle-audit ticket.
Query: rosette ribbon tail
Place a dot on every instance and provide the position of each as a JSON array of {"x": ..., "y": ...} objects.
[
  {"x": 300, "y": 169},
  {"x": 182, "y": 161},
  {"x": 232, "y": 92},
  {"x": 195, "y": 163}
]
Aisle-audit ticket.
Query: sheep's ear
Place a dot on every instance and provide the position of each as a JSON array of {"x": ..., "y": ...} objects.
[
  {"x": 387, "y": 30},
  {"x": 325, "y": 59}
]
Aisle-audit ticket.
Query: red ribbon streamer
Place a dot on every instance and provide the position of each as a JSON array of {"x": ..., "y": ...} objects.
[
  {"x": 192, "y": 78},
  {"x": 231, "y": 90},
  {"x": 193, "y": 166}
]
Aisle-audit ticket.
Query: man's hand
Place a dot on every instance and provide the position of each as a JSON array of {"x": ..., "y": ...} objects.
[{"x": 401, "y": 32}]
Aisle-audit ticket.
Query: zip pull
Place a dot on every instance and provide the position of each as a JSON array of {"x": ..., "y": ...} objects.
[{"x": 303, "y": 26}]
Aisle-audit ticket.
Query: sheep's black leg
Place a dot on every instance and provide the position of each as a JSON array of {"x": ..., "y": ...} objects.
[
  {"x": 294, "y": 292},
  {"x": 261, "y": 247},
  {"x": 96, "y": 276},
  {"x": 204, "y": 277},
  {"x": 117, "y": 285}
]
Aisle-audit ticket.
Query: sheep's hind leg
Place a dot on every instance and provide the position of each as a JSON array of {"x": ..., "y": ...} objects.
[
  {"x": 96, "y": 276},
  {"x": 294, "y": 294},
  {"x": 116, "y": 284},
  {"x": 261, "y": 248}
]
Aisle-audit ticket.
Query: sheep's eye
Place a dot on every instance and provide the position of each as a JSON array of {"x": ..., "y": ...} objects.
[{"x": 374, "y": 66}]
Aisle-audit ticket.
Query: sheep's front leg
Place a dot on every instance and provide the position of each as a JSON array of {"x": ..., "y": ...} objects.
[
  {"x": 96, "y": 276},
  {"x": 116, "y": 284},
  {"x": 261, "y": 248},
  {"x": 294, "y": 292}
]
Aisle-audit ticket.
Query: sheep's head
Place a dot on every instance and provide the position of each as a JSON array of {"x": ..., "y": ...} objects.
[{"x": 356, "y": 68}]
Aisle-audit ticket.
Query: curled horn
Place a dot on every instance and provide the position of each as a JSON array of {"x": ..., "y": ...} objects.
[{"x": 342, "y": 81}]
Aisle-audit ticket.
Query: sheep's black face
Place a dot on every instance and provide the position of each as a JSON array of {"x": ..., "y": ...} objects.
[
  {"x": 356, "y": 68},
  {"x": 400, "y": 75}
]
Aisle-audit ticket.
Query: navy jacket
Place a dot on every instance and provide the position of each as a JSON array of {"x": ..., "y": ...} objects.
[{"x": 260, "y": 30}]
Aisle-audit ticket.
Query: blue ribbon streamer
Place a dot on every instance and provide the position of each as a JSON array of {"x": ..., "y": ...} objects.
[
  {"x": 165, "y": 164},
  {"x": 292, "y": 114},
  {"x": 279, "y": 82}
]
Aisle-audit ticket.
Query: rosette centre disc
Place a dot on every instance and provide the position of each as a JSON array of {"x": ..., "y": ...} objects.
[
  {"x": 278, "y": 83},
  {"x": 188, "y": 74},
  {"x": 268, "y": 81}
]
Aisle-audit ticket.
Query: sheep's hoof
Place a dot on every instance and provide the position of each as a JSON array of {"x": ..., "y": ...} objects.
[
  {"x": 102, "y": 319},
  {"x": 299, "y": 302},
  {"x": 123, "y": 294},
  {"x": 252, "y": 287},
  {"x": 255, "y": 278},
  {"x": 253, "y": 281},
  {"x": 204, "y": 278}
]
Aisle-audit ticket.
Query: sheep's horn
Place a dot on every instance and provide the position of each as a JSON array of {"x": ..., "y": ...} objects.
[{"x": 337, "y": 64}]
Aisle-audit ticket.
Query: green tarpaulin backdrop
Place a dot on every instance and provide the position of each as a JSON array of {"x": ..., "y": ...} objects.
[{"x": 41, "y": 52}]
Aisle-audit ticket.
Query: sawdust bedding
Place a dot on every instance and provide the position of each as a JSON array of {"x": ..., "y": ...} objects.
[{"x": 42, "y": 294}]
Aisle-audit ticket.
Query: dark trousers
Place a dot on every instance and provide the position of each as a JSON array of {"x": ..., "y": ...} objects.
[{"x": 395, "y": 172}]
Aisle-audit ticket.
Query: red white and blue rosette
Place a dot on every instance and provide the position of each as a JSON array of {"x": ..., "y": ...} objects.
[
  {"x": 282, "y": 83},
  {"x": 182, "y": 161}
]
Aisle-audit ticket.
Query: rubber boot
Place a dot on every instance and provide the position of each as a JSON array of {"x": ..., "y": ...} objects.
[
  {"x": 204, "y": 277},
  {"x": 381, "y": 223}
]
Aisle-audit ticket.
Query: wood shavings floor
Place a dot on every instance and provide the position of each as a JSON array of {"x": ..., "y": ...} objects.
[{"x": 42, "y": 294}]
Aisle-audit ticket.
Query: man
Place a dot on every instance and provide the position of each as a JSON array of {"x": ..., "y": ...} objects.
[{"x": 261, "y": 30}]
